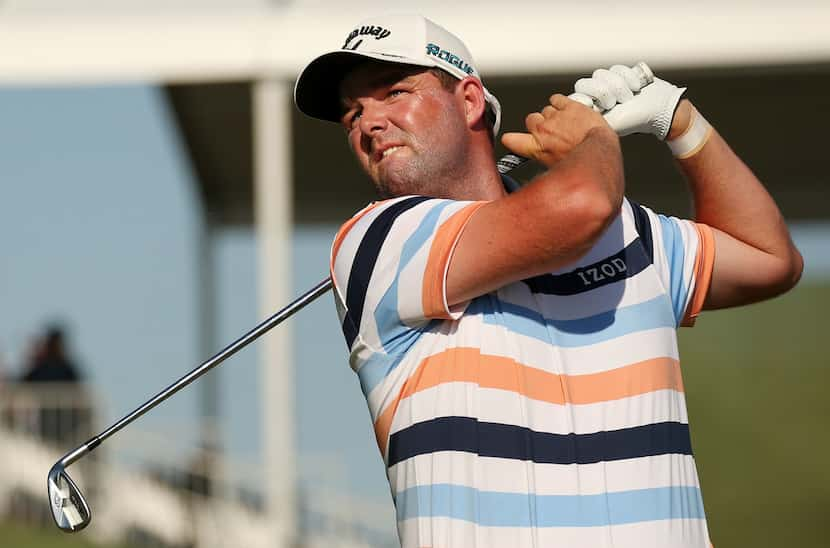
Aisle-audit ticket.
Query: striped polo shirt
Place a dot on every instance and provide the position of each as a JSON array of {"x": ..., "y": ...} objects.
[{"x": 548, "y": 413}]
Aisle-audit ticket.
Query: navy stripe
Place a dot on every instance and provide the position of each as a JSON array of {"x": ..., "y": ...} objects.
[
  {"x": 489, "y": 439},
  {"x": 625, "y": 264},
  {"x": 364, "y": 263},
  {"x": 643, "y": 226}
]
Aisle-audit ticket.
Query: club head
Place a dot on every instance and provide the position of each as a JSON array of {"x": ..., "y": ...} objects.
[{"x": 69, "y": 508}]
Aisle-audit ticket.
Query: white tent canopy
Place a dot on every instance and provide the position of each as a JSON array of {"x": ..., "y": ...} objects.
[{"x": 105, "y": 44}]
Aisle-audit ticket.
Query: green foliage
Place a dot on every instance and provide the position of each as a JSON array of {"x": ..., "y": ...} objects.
[
  {"x": 15, "y": 535},
  {"x": 756, "y": 380}
]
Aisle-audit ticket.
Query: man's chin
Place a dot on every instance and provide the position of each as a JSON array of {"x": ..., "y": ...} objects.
[
  {"x": 395, "y": 181},
  {"x": 389, "y": 189}
]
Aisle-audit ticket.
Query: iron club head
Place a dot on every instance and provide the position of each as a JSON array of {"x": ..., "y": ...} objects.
[{"x": 69, "y": 507}]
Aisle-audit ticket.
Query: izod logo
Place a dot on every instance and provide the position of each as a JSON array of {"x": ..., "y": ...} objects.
[{"x": 602, "y": 271}]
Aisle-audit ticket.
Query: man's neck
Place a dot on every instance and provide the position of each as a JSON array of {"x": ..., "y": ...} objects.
[
  {"x": 483, "y": 184},
  {"x": 479, "y": 180}
]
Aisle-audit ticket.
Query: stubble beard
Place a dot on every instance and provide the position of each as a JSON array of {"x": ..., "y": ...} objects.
[{"x": 436, "y": 161}]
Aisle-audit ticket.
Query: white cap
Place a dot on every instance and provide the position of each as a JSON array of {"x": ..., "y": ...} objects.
[{"x": 404, "y": 39}]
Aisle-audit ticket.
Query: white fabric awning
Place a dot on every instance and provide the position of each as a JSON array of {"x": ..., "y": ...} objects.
[{"x": 527, "y": 37}]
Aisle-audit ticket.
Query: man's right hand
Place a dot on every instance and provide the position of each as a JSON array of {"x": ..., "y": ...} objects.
[
  {"x": 551, "y": 221},
  {"x": 554, "y": 131}
]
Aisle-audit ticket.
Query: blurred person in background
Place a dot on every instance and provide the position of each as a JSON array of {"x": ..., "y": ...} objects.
[
  {"x": 49, "y": 361},
  {"x": 62, "y": 412}
]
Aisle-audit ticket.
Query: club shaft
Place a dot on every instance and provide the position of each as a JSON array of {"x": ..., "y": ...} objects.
[
  {"x": 507, "y": 163},
  {"x": 77, "y": 453},
  {"x": 265, "y": 326}
]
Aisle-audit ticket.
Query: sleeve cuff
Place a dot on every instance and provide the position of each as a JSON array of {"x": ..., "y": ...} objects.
[
  {"x": 704, "y": 263},
  {"x": 434, "y": 290}
]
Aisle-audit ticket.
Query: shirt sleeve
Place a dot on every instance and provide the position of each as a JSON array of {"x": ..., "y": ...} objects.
[
  {"x": 389, "y": 266},
  {"x": 684, "y": 255}
]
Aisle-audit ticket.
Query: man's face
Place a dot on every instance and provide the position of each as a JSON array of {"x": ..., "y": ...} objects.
[{"x": 407, "y": 131}]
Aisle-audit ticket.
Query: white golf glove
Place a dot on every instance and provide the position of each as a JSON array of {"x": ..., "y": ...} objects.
[{"x": 627, "y": 106}]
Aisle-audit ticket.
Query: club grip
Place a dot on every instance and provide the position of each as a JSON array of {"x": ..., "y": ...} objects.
[
  {"x": 641, "y": 69},
  {"x": 644, "y": 73},
  {"x": 509, "y": 162}
]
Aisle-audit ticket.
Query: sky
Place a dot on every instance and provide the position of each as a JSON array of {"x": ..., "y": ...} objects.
[
  {"x": 98, "y": 229},
  {"x": 99, "y": 223}
]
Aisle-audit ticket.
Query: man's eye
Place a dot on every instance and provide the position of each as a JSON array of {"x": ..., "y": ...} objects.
[
  {"x": 352, "y": 119},
  {"x": 396, "y": 92}
]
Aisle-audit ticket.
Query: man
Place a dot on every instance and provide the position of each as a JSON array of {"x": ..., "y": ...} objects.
[
  {"x": 518, "y": 350},
  {"x": 49, "y": 361}
]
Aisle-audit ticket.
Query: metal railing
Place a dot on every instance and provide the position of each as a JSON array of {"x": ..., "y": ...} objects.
[
  {"x": 60, "y": 414},
  {"x": 166, "y": 506}
]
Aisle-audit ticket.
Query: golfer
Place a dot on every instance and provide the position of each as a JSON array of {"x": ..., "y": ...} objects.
[{"x": 517, "y": 348}]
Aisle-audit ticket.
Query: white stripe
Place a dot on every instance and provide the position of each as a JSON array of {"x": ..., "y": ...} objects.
[
  {"x": 580, "y": 360},
  {"x": 691, "y": 247},
  {"x": 464, "y": 399},
  {"x": 526, "y": 477},
  {"x": 386, "y": 268},
  {"x": 410, "y": 287},
  {"x": 671, "y": 533},
  {"x": 660, "y": 261},
  {"x": 411, "y": 280},
  {"x": 496, "y": 340},
  {"x": 450, "y": 533},
  {"x": 621, "y": 232},
  {"x": 630, "y": 291},
  {"x": 386, "y": 391},
  {"x": 350, "y": 244},
  {"x": 442, "y": 533}
]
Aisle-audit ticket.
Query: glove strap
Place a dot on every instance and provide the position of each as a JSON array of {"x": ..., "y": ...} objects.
[{"x": 692, "y": 140}]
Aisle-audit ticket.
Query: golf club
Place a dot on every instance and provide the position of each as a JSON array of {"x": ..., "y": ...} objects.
[{"x": 70, "y": 509}]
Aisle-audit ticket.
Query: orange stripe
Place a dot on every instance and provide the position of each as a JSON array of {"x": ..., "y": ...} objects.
[
  {"x": 443, "y": 243},
  {"x": 468, "y": 365},
  {"x": 347, "y": 226},
  {"x": 704, "y": 264}
]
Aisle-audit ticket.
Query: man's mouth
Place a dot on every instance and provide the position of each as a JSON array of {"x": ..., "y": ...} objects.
[{"x": 387, "y": 151}]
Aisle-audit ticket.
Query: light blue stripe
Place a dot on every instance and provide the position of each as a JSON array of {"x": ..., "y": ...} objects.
[
  {"x": 495, "y": 509},
  {"x": 651, "y": 314},
  {"x": 396, "y": 337},
  {"x": 675, "y": 255}
]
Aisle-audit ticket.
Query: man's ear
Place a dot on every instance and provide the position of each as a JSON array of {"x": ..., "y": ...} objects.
[{"x": 472, "y": 93}]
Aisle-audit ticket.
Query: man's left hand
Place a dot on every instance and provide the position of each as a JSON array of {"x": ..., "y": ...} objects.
[{"x": 628, "y": 107}]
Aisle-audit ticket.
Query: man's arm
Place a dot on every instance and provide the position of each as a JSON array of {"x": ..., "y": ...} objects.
[
  {"x": 755, "y": 259},
  {"x": 556, "y": 218}
]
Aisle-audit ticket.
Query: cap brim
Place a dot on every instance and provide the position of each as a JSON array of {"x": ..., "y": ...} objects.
[{"x": 317, "y": 92}]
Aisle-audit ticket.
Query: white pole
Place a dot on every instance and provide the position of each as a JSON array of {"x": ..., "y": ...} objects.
[{"x": 273, "y": 222}]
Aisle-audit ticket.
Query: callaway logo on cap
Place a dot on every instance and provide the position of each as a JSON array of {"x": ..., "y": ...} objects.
[{"x": 405, "y": 39}]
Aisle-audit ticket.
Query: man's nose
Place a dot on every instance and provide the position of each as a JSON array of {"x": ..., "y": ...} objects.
[{"x": 373, "y": 119}]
